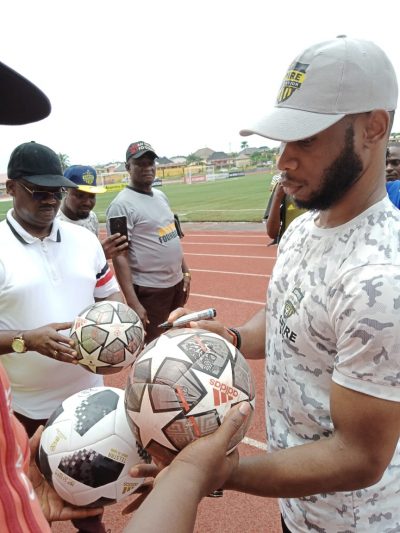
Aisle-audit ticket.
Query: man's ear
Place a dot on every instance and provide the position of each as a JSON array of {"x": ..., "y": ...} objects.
[
  {"x": 10, "y": 187},
  {"x": 376, "y": 127}
]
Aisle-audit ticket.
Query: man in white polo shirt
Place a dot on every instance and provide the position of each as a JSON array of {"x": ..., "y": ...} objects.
[{"x": 50, "y": 271}]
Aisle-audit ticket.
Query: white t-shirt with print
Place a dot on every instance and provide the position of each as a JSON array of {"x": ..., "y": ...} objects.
[{"x": 333, "y": 314}]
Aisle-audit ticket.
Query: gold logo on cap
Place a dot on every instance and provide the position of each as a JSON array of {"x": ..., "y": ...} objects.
[
  {"x": 292, "y": 81},
  {"x": 88, "y": 178}
]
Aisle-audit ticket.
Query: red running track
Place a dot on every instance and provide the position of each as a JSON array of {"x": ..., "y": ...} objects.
[{"x": 230, "y": 271}]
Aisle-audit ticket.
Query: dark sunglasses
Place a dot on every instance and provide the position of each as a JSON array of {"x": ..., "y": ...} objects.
[{"x": 39, "y": 196}]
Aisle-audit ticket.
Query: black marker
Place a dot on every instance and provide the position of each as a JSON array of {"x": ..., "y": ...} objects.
[{"x": 206, "y": 314}]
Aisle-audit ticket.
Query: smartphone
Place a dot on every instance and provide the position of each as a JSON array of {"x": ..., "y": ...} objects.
[{"x": 118, "y": 225}]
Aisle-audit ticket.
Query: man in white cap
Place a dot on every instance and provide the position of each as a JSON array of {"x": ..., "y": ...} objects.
[{"x": 330, "y": 331}]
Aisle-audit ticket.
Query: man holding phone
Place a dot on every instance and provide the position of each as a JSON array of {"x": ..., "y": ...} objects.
[
  {"x": 78, "y": 204},
  {"x": 153, "y": 274}
]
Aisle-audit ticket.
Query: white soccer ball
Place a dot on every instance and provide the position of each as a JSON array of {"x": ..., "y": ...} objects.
[
  {"x": 108, "y": 336},
  {"x": 180, "y": 388},
  {"x": 87, "y": 448}
]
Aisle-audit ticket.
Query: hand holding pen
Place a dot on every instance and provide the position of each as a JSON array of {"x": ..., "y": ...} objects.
[{"x": 206, "y": 314}]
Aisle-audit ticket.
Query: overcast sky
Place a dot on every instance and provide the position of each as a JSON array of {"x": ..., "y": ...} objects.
[{"x": 180, "y": 74}]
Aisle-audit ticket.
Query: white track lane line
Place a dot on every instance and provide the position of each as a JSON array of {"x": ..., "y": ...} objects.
[
  {"x": 224, "y": 244},
  {"x": 227, "y": 236},
  {"x": 212, "y": 297},
  {"x": 272, "y": 258},
  {"x": 255, "y": 443},
  {"x": 229, "y": 273}
]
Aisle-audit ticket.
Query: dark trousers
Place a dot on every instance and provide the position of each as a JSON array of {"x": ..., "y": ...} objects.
[
  {"x": 158, "y": 304},
  {"x": 92, "y": 524}
]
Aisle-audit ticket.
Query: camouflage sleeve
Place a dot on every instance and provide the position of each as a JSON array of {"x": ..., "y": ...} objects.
[{"x": 365, "y": 310}]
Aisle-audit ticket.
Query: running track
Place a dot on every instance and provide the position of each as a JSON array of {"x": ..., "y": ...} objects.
[{"x": 230, "y": 271}]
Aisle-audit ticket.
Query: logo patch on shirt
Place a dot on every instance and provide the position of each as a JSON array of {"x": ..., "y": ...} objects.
[{"x": 167, "y": 233}]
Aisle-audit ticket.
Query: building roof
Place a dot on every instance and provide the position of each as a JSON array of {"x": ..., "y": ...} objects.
[
  {"x": 216, "y": 156},
  {"x": 203, "y": 153}
]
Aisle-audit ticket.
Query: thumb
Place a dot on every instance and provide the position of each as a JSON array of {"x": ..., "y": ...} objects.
[
  {"x": 233, "y": 422},
  {"x": 34, "y": 441}
]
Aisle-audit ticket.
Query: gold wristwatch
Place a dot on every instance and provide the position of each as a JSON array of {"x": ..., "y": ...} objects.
[{"x": 18, "y": 344}]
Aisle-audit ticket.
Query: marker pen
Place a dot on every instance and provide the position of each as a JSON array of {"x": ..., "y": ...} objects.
[{"x": 206, "y": 314}]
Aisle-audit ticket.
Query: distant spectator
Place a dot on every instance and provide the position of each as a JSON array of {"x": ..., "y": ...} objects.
[
  {"x": 393, "y": 162},
  {"x": 153, "y": 275},
  {"x": 78, "y": 204}
]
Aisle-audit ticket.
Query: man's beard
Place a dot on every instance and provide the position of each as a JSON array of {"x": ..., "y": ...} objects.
[{"x": 337, "y": 179}]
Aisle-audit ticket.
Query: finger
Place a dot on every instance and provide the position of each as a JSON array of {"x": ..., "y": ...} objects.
[
  {"x": 61, "y": 325},
  {"x": 233, "y": 422},
  {"x": 176, "y": 313},
  {"x": 34, "y": 441},
  {"x": 64, "y": 357},
  {"x": 72, "y": 513},
  {"x": 144, "y": 470},
  {"x": 66, "y": 346}
]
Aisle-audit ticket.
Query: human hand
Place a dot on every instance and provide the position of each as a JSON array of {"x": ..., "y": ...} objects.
[
  {"x": 186, "y": 288},
  {"x": 140, "y": 311},
  {"x": 114, "y": 245},
  {"x": 280, "y": 191},
  {"x": 205, "y": 461},
  {"x": 47, "y": 341},
  {"x": 212, "y": 325},
  {"x": 142, "y": 470},
  {"x": 53, "y": 507},
  {"x": 203, "y": 465}
]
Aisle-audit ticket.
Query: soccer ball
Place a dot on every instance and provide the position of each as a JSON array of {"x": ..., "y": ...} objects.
[
  {"x": 108, "y": 335},
  {"x": 180, "y": 388},
  {"x": 87, "y": 448}
]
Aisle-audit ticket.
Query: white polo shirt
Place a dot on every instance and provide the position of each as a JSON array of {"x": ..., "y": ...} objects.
[{"x": 44, "y": 281}]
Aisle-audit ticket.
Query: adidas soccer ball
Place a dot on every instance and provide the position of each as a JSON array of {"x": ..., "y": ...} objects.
[
  {"x": 87, "y": 448},
  {"x": 180, "y": 388},
  {"x": 108, "y": 335}
]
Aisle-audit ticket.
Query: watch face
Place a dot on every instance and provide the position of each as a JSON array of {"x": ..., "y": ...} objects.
[{"x": 18, "y": 345}]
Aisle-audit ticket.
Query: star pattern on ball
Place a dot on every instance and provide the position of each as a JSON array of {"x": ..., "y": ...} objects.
[
  {"x": 154, "y": 431},
  {"x": 117, "y": 328},
  {"x": 91, "y": 359},
  {"x": 158, "y": 358}
]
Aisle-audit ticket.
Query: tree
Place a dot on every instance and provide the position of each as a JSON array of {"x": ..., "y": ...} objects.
[
  {"x": 64, "y": 160},
  {"x": 256, "y": 157},
  {"x": 192, "y": 158},
  {"x": 244, "y": 145}
]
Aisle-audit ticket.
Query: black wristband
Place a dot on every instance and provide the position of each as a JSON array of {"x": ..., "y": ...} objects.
[{"x": 238, "y": 337}]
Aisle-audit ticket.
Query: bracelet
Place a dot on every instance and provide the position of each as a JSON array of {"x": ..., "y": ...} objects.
[
  {"x": 237, "y": 337},
  {"x": 187, "y": 275}
]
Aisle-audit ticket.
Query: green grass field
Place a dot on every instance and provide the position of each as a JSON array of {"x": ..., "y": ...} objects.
[{"x": 232, "y": 200}]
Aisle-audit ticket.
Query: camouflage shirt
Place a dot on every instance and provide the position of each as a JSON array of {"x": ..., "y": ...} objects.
[{"x": 334, "y": 314}]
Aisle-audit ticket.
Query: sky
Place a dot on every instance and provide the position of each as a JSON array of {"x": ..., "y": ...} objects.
[{"x": 179, "y": 74}]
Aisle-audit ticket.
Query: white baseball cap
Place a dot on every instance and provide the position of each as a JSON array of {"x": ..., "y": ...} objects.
[{"x": 326, "y": 82}]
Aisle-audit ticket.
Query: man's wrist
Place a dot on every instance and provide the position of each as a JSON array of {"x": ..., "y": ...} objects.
[
  {"x": 235, "y": 336},
  {"x": 187, "y": 275}
]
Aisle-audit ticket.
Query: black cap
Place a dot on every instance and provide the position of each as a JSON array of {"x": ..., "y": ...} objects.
[
  {"x": 21, "y": 102},
  {"x": 139, "y": 148},
  {"x": 37, "y": 164}
]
